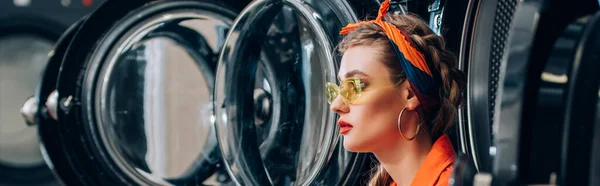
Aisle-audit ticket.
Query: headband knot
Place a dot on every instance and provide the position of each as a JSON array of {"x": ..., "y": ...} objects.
[{"x": 383, "y": 9}]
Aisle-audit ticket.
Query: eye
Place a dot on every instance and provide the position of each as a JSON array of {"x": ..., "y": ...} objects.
[{"x": 362, "y": 83}]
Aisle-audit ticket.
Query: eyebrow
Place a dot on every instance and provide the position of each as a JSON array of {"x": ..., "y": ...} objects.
[{"x": 354, "y": 73}]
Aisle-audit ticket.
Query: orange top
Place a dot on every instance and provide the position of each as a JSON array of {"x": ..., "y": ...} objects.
[{"x": 437, "y": 167}]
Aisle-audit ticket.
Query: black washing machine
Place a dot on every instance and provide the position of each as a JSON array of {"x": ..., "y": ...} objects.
[
  {"x": 533, "y": 81},
  {"x": 547, "y": 108},
  {"x": 28, "y": 32},
  {"x": 127, "y": 94}
]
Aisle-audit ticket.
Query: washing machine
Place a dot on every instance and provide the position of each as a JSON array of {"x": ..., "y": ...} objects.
[
  {"x": 547, "y": 108},
  {"x": 28, "y": 32},
  {"x": 127, "y": 95},
  {"x": 533, "y": 83},
  {"x": 480, "y": 45}
]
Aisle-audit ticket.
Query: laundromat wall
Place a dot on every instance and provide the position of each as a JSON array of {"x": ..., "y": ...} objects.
[{"x": 231, "y": 92}]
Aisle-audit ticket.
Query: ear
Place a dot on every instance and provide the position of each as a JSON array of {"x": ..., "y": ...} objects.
[{"x": 412, "y": 102}]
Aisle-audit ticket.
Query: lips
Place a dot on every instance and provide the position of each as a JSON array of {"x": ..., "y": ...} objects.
[{"x": 345, "y": 127}]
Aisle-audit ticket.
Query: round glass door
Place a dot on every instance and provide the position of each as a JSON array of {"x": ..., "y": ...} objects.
[
  {"x": 273, "y": 120},
  {"x": 152, "y": 101}
]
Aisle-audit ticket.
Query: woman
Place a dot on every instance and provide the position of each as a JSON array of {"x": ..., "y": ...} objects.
[{"x": 398, "y": 95}]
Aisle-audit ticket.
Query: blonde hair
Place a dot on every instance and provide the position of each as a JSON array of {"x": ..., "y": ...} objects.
[{"x": 436, "y": 122}]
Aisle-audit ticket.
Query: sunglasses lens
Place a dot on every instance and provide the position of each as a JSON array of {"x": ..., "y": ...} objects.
[
  {"x": 331, "y": 91},
  {"x": 348, "y": 91}
]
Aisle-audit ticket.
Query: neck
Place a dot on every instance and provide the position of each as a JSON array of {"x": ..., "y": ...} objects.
[{"x": 403, "y": 160}]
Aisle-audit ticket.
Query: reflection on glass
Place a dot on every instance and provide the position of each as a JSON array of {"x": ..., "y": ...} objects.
[
  {"x": 153, "y": 99},
  {"x": 22, "y": 60}
]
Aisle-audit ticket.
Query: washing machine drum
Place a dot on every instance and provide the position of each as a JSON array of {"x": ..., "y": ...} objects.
[
  {"x": 127, "y": 98},
  {"x": 272, "y": 117},
  {"x": 24, "y": 48}
]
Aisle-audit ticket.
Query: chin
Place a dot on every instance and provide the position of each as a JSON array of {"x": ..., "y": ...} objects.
[{"x": 354, "y": 146}]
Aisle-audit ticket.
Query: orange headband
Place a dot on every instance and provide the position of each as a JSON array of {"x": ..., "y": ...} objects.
[{"x": 412, "y": 61}]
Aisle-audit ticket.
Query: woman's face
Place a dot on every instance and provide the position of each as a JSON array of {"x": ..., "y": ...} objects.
[{"x": 370, "y": 123}]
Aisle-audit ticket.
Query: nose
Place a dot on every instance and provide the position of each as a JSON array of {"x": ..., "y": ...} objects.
[{"x": 338, "y": 105}]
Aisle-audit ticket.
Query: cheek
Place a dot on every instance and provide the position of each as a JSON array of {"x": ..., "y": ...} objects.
[
  {"x": 382, "y": 113},
  {"x": 375, "y": 122},
  {"x": 383, "y": 106}
]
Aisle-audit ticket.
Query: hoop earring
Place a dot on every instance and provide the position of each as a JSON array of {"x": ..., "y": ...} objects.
[{"x": 400, "y": 126}]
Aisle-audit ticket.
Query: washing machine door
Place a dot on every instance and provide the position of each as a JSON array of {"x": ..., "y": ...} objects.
[
  {"x": 272, "y": 118},
  {"x": 132, "y": 103},
  {"x": 24, "y": 46}
]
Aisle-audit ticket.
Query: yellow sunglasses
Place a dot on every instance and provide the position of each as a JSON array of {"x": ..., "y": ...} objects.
[{"x": 350, "y": 89}]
